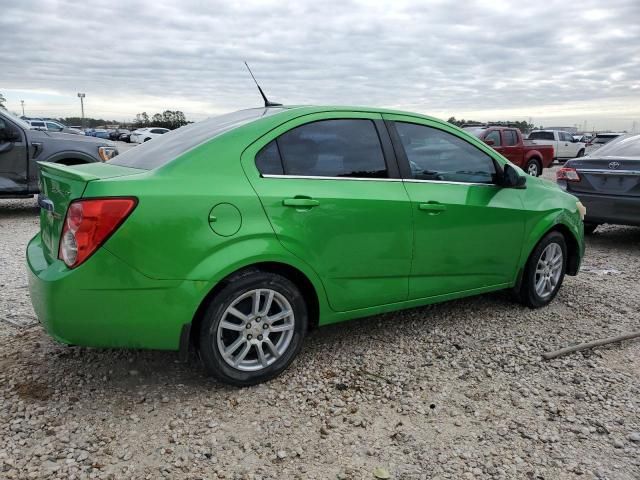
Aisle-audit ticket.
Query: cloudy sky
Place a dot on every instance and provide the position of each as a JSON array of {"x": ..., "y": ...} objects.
[{"x": 557, "y": 62}]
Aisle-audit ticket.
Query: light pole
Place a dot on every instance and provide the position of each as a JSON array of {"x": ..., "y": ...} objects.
[
  {"x": 81, "y": 97},
  {"x": 22, "y": 102}
]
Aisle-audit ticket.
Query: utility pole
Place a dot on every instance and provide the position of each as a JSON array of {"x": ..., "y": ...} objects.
[
  {"x": 22, "y": 102},
  {"x": 81, "y": 97}
]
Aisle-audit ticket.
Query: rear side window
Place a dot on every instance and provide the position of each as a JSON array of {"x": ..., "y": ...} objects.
[
  {"x": 268, "y": 160},
  {"x": 495, "y": 136},
  {"x": 37, "y": 124},
  {"x": 437, "y": 155},
  {"x": 327, "y": 148},
  {"x": 510, "y": 138},
  {"x": 541, "y": 136}
]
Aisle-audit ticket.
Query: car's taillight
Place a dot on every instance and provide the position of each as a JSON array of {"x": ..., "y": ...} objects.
[
  {"x": 88, "y": 224},
  {"x": 568, "y": 174}
]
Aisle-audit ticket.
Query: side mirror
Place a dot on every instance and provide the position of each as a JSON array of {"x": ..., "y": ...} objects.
[
  {"x": 489, "y": 142},
  {"x": 511, "y": 178}
]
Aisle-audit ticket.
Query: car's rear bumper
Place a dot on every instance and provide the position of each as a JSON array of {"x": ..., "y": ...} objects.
[
  {"x": 106, "y": 303},
  {"x": 610, "y": 208}
]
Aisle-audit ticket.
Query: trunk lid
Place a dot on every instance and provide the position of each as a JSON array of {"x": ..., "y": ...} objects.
[
  {"x": 607, "y": 176},
  {"x": 59, "y": 186}
]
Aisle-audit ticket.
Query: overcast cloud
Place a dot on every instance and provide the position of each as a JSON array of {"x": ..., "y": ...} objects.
[{"x": 552, "y": 60}]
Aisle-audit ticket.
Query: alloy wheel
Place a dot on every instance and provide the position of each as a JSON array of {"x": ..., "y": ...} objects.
[
  {"x": 532, "y": 169},
  {"x": 255, "y": 329},
  {"x": 548, "y": 270}
]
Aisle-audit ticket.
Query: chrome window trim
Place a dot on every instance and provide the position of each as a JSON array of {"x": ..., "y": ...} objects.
[
  {"x": 449, "y": 182},
  {"x": 366, "y": 179},
  {"x": 608, "y": 171},
  {"x": 312, "y": 177}
]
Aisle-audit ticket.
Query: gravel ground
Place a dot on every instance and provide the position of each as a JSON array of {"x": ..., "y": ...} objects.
[{"x": 457, "y": 391}]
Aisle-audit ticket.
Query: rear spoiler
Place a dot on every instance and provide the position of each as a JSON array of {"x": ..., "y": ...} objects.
[{"x": 66, "y": 171}]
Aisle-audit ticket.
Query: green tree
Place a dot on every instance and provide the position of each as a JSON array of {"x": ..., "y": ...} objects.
[{"x": 2, "y": 101}]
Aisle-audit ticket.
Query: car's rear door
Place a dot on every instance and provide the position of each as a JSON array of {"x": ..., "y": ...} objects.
[
  {"x": 511, "y": 148},
  {"x": 468, "y": 230},
  {"x": 330, "y": 186}
]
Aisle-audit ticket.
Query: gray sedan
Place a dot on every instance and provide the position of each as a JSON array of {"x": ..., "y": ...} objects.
[{"x": 607, "y": 183}]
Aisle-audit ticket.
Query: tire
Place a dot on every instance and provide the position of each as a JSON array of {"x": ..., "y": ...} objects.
[
  {"x": 590, "y": 228},
  {"x": 533, "y": 167},
  {"x": 580, "y": 153},
  {"x": 244, "y": 325},
  {"x": 530, "y": 293}
]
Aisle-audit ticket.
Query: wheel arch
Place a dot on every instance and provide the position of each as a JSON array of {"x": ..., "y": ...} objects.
[
  {"x": 297, "y": 276},
  {"x": 71, "y": 158}
]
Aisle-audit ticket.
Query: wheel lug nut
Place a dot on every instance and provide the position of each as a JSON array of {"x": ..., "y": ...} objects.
[
  {"x": 259, "y": 337},
  {"x": 265, "y": 326},
  {"x": 249, "y": 337},
  {"x": 248, "y": 325}
]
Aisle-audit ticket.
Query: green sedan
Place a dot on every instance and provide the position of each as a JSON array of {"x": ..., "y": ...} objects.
[{"x": 238, "y": 234}]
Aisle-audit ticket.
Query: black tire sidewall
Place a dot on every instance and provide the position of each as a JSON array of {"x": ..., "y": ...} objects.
[
  {"x": 212, "y": 358},
  {"x": 528, "y": 292},
  {"x": 538, "y": 165}
]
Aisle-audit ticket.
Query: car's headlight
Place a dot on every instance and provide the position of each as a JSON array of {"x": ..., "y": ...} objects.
[
  {"x": 582, "y": 209},
  {"x": 107, "y": 153}
]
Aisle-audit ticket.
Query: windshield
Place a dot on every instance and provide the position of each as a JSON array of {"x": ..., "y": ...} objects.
[
  {"x": 167, "y": 147},
  {"x": 17, "y": 120},
  {"x": 623, "y": 146}
]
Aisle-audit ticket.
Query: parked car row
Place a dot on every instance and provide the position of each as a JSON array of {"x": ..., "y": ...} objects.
[{"x": 51, "y": 126}]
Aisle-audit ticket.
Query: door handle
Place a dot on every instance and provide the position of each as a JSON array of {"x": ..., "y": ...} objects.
[
  {"x": 300, "y": 202},
  {"x": 433, "y": 208}
]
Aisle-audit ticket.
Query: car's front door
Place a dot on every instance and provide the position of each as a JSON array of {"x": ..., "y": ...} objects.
[
  {"x": 468, "y": 230},
  {"x": 13, "y": 158},
  {"x": 330, "y": 186}
]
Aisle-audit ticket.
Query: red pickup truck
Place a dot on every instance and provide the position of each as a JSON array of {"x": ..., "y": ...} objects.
[{"x": 526, "y": 154}]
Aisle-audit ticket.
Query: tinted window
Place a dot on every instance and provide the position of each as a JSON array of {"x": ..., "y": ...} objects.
[
  {"x": 541, "y": 136},
  {"x": 159, "y": 130},
  {"x": 37, "y": 124},
  {"x": 495, "y": 136},
  {"x": 333, "y": 148},
  {"x": 53, "y": 126},
  {"x": 171, "y": 145},
  {"x": 268, "y": 160},
  {"x": 510, "y": 137},
  {"x": 437, "y": 155},
  {"x": 602, "y": 139}
]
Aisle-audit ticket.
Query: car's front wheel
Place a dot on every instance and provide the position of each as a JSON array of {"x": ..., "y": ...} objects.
[
  {"x": 544, "y": 271},
  {"x": 253, "y": 328}
]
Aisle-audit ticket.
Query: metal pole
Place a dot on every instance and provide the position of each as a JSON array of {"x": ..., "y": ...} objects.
[
  {"x": 81, "y": 96},
  {"x": 22, "y": 102}
]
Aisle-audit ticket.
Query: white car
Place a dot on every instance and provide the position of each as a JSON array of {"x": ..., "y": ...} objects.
[
  {"x": 599, "y": 140},
  {"x": 564, "y": 145},
  {"x": 52, "y": 126},
  {"x": 145, "y": 134}
]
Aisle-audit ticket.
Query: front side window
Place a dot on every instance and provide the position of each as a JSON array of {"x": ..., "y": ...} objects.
[
  {"x": 327, "y": 148},
  {"x": 495, "y": 136},
  {"x": 37, "y": 124},
  {"x": 436, "y": 155},
  {"x": 54, "y": 127},
  {"x": 510, "y": 138}
]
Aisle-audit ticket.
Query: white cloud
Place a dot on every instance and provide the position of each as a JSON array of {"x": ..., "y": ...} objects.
[{"x": 444, "y": 57}]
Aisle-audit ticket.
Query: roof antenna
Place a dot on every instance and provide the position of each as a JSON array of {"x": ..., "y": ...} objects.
[{"x": 267, "y": 103}]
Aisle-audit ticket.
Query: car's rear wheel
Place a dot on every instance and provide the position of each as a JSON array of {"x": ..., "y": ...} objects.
[
  {"x": 544, "y": 271},
  {"x": 580, "y": 153},
  {"x": 590, "y": 228},
  {"x": 253, "y": 328},
  {"x": 534, "y": 168}
]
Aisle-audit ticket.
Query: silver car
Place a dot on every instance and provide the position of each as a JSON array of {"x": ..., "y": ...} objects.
[{"x": 607, "y": 182}]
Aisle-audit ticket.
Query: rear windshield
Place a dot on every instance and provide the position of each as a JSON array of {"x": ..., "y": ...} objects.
[
  {"x": 478, "y": 132},
  {"x": 602, "y": 139},
  {"x": 541, "y": 136},
  {"x": 163, "y": 149},
  {"x": 627, "y": 146}
]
